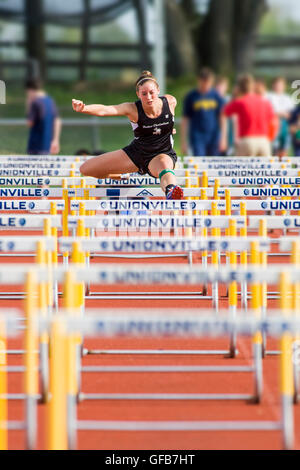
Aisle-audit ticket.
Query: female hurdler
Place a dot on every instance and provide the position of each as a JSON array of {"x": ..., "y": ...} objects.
[{"x": 151, "y": 151}]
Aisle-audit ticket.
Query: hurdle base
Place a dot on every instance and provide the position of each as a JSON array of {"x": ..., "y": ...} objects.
[
  {"x": 200, "y": 352},
  {"x": 272, "y": 353},
  {"x": 165, "y": 369},
  {"x": 178, "y": 425},
  {"x": 166, "y": 396},
  {"x": 152, "y": 296}
]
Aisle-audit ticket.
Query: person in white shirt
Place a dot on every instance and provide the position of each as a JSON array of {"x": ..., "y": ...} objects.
[{"x": 283, "y": 105}]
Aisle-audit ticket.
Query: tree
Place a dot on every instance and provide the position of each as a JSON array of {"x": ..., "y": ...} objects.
[
  {"x": 182, "y": 59},
  {"x": 140, "y": 11},
  {"x": 84, "y": 39},
  {"x": 226, "y": 39},
  {"x": 214, "y": 41},
  {"x": 248, "y": 15},
  {"x": 35, "y": 38}
]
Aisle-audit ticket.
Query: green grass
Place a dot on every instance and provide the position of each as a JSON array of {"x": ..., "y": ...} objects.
[{"x": 13, "y": 139}]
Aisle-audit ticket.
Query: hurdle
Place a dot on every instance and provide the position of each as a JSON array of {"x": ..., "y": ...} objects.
[
  {"x": 31, "y": 170},
  {"x": 10, "y": 325},
  {"x": 31, "y": 205},
  {"x": 106, "y": 274},
  {"x": 162, "y": 323},
  {"x": 238, "y": 178},
  {"x": 47, "y": 295},
  {"x": 24, "y": 221},
  {"x": 28, "y": 246},
  {"x": 14, "y": 244},
  {"x": 257, "y": 248},
  {"x": 25, "y": 246},
  {"x": 23, "y": 274},
  {"x": 145, "y": 223},
  {"x": 63, "y": 169},
  {"x": 163, "y": 205},
  {"x": 275, "y": 222},
  {"x": 139, "y": 207},
  {"x": 125, "y": 192},
  {"x": 150, "y": 205},
  {"x": 115, "y": 245}
]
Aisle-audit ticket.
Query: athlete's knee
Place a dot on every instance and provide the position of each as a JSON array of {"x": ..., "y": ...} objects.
[
  {"x": 164, "y": 160},
  {"x": 84, "y": 169}
]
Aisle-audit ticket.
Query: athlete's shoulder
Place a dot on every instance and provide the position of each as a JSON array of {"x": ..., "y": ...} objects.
[
  {"x": 171, "y": 99},
  {"x": 129, "y": 105},
  {"x": 128, "y": 109}
]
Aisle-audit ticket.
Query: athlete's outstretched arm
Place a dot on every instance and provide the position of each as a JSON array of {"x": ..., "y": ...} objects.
[{"x": 123, "y": 109}]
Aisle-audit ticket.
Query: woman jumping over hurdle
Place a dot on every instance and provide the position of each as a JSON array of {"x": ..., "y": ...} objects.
[{"x": 151, "y": 151}]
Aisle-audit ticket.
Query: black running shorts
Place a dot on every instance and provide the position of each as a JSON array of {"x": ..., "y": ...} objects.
[{"x": 142, "y": 160}]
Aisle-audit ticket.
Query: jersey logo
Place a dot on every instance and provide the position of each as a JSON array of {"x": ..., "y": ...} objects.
[
  {"x": 157, "y": 131},
  {"x": 167, "y": 116},
  {"x": 205, "y": 104}
]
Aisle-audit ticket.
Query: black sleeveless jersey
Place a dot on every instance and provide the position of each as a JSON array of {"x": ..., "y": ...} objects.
[{"x": 153, "y": 136}]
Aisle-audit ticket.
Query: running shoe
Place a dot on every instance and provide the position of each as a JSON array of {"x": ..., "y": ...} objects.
[{"x": 175, "y": 192}]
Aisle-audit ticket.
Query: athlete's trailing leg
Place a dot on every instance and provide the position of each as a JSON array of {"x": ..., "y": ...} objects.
[
  {"x": 160, "y": 167},
  {"x": 111, "y": 164}
]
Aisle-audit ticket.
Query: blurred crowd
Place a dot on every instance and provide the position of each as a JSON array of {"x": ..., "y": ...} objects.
[{"x": 251, "y": 121}]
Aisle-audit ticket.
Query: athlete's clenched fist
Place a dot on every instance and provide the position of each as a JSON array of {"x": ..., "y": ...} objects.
[{"x": 78, "y": 105}]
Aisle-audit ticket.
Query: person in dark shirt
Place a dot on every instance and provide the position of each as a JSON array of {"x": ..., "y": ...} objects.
[
  {"x": 203, "y": 126},
  {"x": 43, "y": 120},
  {"x": 294, "y": 123}
]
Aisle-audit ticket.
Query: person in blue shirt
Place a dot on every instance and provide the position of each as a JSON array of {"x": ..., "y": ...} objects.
[
  {"x": 43, "y": 121},
  {"x": 295, "y": 130},
  {"x": 203, "y": 127}
]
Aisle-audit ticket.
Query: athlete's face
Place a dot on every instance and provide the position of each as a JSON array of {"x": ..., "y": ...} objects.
[{"x": 148, "y": 93}]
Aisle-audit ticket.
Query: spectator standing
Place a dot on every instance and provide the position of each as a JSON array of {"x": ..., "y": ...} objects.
[
  {"x": 254, "y": 115},
  {"x": 262, "y": 90},
  {"x": 233, "y": 131},
  {"x": 43, "y": 120},
  {"x": 202, "y": 125},
  {"x": 283, "y": 105},
  {"x": 295, "y": 130},
  {"x": 221, "y": 86},
  {"x": 260, "y": 87}
]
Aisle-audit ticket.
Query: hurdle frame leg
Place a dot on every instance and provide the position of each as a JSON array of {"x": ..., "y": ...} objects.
[
  {"x": 258, "y": 372},
  {"x": 3, "y": 388},
  {"x": 31, "y": 361}
]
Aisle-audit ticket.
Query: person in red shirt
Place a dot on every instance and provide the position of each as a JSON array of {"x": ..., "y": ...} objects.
[{"x": 254, "y": 117}]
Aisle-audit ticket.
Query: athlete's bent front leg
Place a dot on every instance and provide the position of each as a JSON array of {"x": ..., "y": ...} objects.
[
  {"x": 160, "y": 163},
  {"x": 162, "y": 166},
  {"x": 111, "y": 163}
]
